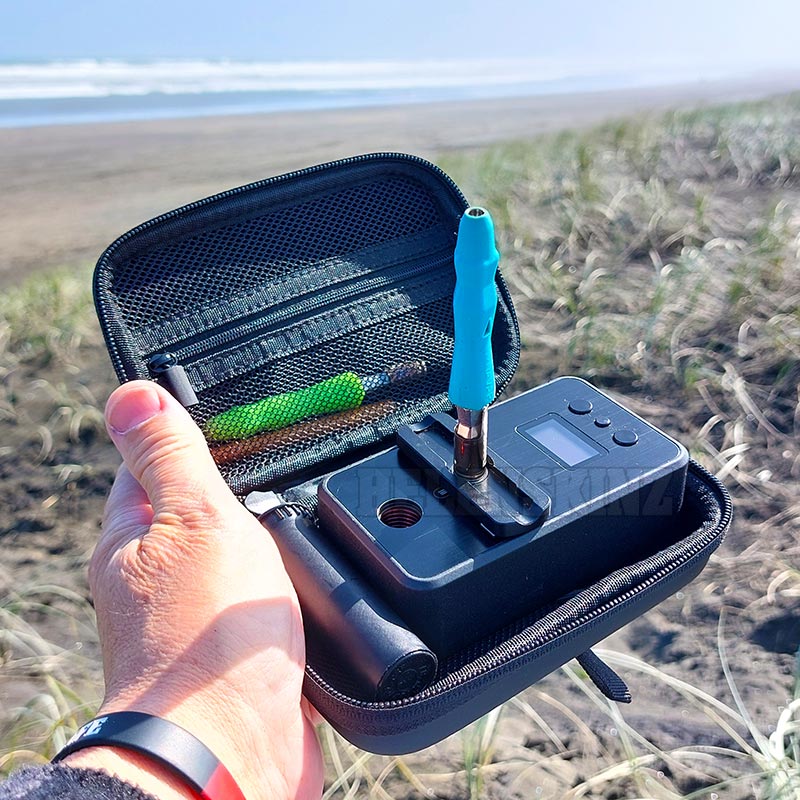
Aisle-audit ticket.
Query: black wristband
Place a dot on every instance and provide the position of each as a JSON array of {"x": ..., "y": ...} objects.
[{"x": 165, "y": 742}]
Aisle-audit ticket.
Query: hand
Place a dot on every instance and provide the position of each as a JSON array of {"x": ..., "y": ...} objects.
[{"x": 198, "y": 620}]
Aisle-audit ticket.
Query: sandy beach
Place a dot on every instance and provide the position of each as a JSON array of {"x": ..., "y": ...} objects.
[
  {"x": 715, "y": 364},
  {"x": 69, "y": 190}
]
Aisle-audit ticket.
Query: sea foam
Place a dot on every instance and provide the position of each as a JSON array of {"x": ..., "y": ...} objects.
[
  {"x": 94, "y": 78},
  {"x": 94, "y": 90}
]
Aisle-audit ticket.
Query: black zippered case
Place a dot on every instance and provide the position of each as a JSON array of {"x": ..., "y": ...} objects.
[{"x": 347, "y": 268}]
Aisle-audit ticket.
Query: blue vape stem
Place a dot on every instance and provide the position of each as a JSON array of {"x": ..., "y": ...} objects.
[{"x": 472, "y": 382}]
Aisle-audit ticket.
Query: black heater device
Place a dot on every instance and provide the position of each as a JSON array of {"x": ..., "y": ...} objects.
[{"x": 575, "y": 487}]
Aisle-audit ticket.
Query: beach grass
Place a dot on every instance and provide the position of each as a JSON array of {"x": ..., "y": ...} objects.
[
  {"x": 59, "y": 684},
  {"x": 48, "y": 335},
  {"x": 658, "y": 257}
]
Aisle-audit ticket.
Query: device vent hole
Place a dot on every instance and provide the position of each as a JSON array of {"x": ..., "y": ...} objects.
[{"x": 399, "y": 513}]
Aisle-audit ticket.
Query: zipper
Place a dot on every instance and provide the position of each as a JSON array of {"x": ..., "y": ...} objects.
[
  {"x": 604, "y": 678},
  {"x": 195, "y": 347},
  {"x": 166, "y": 370},
  {"x": 503, "y": 654}
]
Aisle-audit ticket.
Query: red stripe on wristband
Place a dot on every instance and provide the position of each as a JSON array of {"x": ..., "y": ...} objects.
[{"x": 221, "y": 786}]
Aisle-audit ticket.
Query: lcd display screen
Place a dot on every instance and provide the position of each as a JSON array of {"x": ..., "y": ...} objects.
[{"x": 561, "y": 442}]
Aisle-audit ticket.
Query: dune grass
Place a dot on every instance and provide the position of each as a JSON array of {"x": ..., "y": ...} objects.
[
  {"x": 659, "y": 257},
  {"x": 48, "y": 336},
  {"x": 60, "y": 686}
]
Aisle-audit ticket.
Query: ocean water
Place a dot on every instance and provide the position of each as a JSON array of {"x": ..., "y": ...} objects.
[{"x": 89, "y": 90}]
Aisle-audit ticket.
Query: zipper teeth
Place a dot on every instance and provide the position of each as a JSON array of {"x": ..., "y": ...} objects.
[
  {"x": 514, "y": 331},
  {"x": 254, "y": 323},
  {"x": 506, "y": 653},
  {"x": 102, "y": 310}
]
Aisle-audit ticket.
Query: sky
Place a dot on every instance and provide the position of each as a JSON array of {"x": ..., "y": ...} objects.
[{"x": 760, "y": 34}]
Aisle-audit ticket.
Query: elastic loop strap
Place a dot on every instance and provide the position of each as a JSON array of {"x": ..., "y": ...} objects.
[{"x": 168, "y": 744}]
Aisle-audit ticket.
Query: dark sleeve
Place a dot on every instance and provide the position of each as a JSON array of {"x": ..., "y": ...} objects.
[{"x": 60, "y": 782}]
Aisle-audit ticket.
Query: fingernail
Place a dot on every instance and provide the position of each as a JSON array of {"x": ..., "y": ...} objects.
[{"x": 133, "y": 408}]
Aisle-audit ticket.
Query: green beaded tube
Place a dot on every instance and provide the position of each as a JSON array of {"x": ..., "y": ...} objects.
[{"x": 340, "y": 393}]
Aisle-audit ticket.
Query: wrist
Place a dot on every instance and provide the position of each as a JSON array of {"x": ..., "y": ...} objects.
[
  {"x": 165, "y": 743},
  {"x": 227, "y": 737},
  {"x": 138, "y": 770}
]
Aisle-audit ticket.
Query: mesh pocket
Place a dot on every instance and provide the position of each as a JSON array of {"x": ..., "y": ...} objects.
[
  {"x": 236, "y": 257},
  {"x": 317, "y": 402}
]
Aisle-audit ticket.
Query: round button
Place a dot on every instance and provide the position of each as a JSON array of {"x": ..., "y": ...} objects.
[
  {"x": 580, "y": 406},
  {"x": 602, "y": 422},
  {"x": 626, "y": 437}
]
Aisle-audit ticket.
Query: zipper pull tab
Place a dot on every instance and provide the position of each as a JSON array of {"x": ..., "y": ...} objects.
[
  {"x": 166, "y": 370},
  {"x": 604, "y": 678}
]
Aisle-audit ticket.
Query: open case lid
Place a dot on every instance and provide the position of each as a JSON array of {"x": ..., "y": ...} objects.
[{"x": 269, "y": 288}]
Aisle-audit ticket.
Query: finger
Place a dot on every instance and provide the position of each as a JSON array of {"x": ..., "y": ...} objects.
[{"x": 164, "y": 450}]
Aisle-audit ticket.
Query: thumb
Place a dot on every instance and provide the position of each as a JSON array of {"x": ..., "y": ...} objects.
[{"x": 164, "y": 449}]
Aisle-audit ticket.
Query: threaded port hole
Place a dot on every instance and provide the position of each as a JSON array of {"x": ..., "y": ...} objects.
[
  {"x": 475, "y": 211},
  {"x": 399, "y": 512}
]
